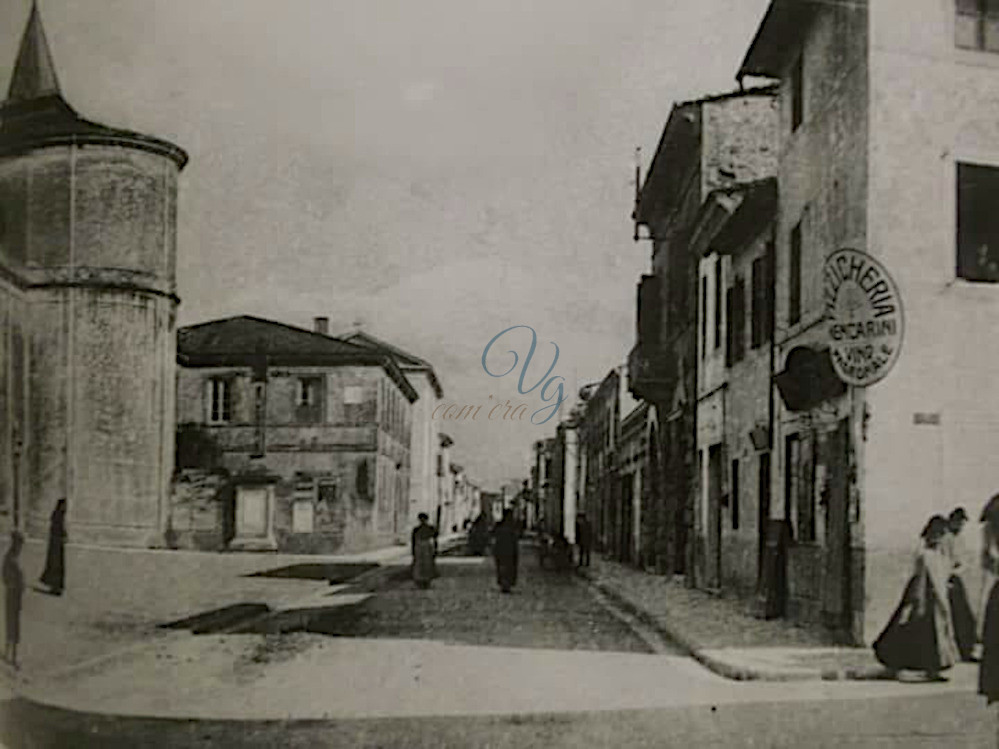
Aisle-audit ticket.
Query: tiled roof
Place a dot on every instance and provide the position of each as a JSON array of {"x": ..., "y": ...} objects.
[
  {"x": 235, "y": 336},
  {"x": 404, "y": 359},
  {"x": 255, "y": 342}
]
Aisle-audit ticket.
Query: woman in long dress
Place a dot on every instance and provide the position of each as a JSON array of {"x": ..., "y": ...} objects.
[
  {"x": 965, "y": 633},
  {"x": 988, "y": 673},
  {"x": 54, "y": 576},
  {"x": 919, "y": 636},
  {"x": 424, "y": 544},
  {"x": 13, "y": 581}
]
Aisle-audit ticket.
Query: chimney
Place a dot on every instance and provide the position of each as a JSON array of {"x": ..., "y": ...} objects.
[{"x": 321, "y": 325}]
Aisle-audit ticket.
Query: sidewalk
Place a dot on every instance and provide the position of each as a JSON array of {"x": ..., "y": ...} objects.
[{"x": 722, "y": 634}]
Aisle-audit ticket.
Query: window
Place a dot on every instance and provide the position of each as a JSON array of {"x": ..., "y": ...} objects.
[
  {"x": 976, "y": 25},
  {"x": 309, "y": 400},
  {"x": 735, "y": 495},
  {"x": 977, "y": 223},
  {"x": 704, "y": 315},
  {"x": 738, "y": 320},
  {"x": 303, "y": 516},
  {"x": 762, "y": 309},
  {"x": 219, "y": 400},
  {"x": 797, "y": 84},
  {"x": 718, "y": 303},
  {"x": 730, "y": 329},
  {"x": 794, "y": 282}
]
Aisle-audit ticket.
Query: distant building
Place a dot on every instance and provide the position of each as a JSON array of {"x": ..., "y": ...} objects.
[
  {"x": 88, "y": 298},
  {"x": 424, "y": 446},
  {"x": 313, "y": 433}
]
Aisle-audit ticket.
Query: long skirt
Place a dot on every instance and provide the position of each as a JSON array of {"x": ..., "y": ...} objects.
[
  {"x": 506, "y": 571},
  {"x": 964, "y": 618},
  {"x": 54, "y": 575},
  {"x": 988, "y": 672},
  {"x": 12, "y": 611},
  {"x": 424, "y": 567},
  {"x": 909, "y": 641}
]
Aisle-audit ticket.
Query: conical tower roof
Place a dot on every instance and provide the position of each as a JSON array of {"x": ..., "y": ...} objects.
[
  {"x": 34, "y": 72},
  {"x": 36, "y": 115}
]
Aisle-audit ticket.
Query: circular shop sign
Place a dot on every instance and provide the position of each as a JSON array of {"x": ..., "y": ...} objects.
[{"x": 864, "y": 313}]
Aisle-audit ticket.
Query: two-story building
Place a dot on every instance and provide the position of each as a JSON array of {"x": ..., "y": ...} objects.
[{"x": 312, "y": 432}]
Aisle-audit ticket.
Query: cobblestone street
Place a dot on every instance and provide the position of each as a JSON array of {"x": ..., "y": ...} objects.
[{"x": 547, "y": 609}]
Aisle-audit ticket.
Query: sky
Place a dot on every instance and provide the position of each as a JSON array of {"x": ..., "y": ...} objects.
[{"x": 435, "y": 171}]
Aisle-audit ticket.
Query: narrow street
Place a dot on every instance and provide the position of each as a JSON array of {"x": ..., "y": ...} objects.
[{"x": 550, "y": 609}]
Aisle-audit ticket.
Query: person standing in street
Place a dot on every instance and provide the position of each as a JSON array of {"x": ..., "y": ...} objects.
[
  {"x": 965, "y": 633},
  {"x": 13, "y": 581},
  {"x": 54, "y": 576},
  {"x": 424, "y": 546},
  {"x": 506, "y": 543},
  {"x": 989, "y": 558},
  {"x": 584, "y": 539}
]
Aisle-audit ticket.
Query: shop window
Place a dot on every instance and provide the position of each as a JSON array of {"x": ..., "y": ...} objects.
[
  {"x": 976, "y": 24},
  {"x": 219, "y": 400},
  {"x": 977, "y": 223}
]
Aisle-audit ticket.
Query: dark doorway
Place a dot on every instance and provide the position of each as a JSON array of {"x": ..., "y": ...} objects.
[
  {"x": 714, "y": 516},
  {"x": 836, "y": 584},
  {"x": 763, "y": 514}
]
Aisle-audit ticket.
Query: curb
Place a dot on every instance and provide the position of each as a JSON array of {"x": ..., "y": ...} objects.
[{"x": 726, "y": 669}]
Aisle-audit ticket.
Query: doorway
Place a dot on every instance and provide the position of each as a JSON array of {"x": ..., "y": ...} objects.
[
  {"x": 836, "y": 593},
  {"x": 763, "y": 514},
  {"x": 714, "y": 516}
]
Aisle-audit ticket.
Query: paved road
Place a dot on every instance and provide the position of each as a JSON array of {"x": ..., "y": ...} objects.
[
  {"x": 916, "y": 722},
  {"x": 547, "y": 609},
  {"x": 464, "y": 665}
]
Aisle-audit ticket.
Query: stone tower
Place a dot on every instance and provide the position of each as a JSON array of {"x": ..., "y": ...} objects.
[{"x": 87, "y": 304}]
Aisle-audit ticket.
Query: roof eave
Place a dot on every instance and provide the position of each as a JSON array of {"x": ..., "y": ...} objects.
[{"x": 783, "y": 24}]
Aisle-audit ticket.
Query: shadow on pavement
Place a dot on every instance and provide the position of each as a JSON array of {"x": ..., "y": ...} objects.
[{"x": 335, "y": 573}]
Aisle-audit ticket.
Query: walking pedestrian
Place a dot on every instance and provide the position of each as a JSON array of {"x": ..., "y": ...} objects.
[
  {"x": 13, "y": 581},
  {"x": 424, "y": 546},
  {"x": 584, "y": 539},
  {"x": 919, "y": 636},
  {"x": 506, "y": 541},
  {"x": 54, "y": 576},
  {"x": 965, "y": 633}
]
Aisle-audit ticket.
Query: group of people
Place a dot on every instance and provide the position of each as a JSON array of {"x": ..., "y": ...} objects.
[
  {"x": 53, "y": 577},
  {"x": 934, "y": 625},
  {"x": 505, "y": 538}
]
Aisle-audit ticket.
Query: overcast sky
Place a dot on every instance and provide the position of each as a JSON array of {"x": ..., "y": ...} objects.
[{"x": 440, "y": 170}]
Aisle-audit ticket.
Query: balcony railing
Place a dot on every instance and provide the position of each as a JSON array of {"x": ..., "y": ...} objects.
[{"x": 650, "y": 372}]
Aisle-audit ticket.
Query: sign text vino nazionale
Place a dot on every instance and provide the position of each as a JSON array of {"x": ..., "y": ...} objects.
[{"x": 864, "y": 317}]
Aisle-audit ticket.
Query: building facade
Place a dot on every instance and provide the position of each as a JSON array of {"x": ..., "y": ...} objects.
[
  {"x": 87, "y": 308},
  {"x": 707, "y": 144},
  {"x": 311, "y": 433},
  {"x": 423, "y": 492}
]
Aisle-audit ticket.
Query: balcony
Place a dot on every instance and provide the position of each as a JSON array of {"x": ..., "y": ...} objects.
[{"x": 650, "y": 372}]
